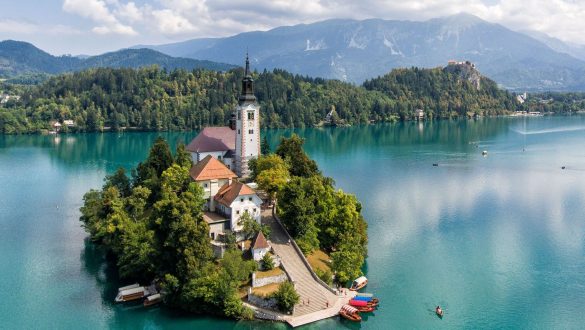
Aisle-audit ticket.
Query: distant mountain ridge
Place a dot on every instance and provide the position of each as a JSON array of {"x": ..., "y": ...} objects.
[
  {"x": 21, "y": 58},
  {"x": 354, "y": 51}
]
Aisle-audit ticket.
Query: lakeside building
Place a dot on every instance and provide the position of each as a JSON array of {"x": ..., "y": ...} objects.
[{"x": 221, "y": 156}]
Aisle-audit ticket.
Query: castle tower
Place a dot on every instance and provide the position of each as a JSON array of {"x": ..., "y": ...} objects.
[{"x": 247, "y": 125}]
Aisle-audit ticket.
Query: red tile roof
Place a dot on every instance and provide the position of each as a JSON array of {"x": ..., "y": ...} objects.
[
  {"x": 210, "y": 169},
  {"x": 260, "y": 242},
  {"x": 213, "y": 139},
  {"x": 228, "y": 193}
]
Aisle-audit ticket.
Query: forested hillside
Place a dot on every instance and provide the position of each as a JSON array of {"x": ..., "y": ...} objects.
[
  {"x": 154, "y": 99},
  {"x": 443, "y": 92}
]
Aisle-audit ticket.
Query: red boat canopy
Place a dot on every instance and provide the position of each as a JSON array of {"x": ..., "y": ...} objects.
[{"x": 359, "y": 303}]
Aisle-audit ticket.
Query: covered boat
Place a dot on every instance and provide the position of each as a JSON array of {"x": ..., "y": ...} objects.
[
  {"x": 152, "y": 300},
  {"x": 359, "y": 294},
  {"x": 361, "y": 303},
  {"x": 128, "y": 287},
  {"x": 368, "y": 299},
  {"x": 359, "y": 283},
  {"x": 130, "y": 294},
  {"x": 365, "y": 309},
  {"x": 350, "y": 313}
]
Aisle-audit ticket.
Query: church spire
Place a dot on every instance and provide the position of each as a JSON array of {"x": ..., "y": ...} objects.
[
  {"x": 247, "y": 95},
  {"x": 247, "y": 72}
]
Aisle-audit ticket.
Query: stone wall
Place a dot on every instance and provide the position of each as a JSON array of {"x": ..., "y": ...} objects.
[
  {"x": 257, "y": 282},
  {"x": 268, "y": 303}
]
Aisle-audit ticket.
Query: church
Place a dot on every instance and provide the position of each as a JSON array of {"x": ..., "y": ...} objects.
[
  {"x": 237, "y": 143},
  {"x": 220, "y": 156}
]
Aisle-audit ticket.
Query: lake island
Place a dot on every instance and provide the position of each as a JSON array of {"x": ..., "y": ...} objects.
[{"x": 222, "y": 228}]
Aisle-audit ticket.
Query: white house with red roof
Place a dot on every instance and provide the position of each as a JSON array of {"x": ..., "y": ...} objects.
[
  {"x": 226, "y": 198},
  {"x": 234, "y": 199},
  {"x": 211, "y": 175}
]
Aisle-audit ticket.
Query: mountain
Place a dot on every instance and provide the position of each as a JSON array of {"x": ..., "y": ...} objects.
[
  {"x": 354, "y": 51},
  {"x": 20, "y": 58},
  {"x": 575, "y": 50}
]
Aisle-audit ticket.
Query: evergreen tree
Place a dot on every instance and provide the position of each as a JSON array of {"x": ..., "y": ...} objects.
[{"x": 265, "y": 146}]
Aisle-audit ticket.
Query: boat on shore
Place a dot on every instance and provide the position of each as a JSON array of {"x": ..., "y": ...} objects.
[
  {"x": 359, "y": 283},
  {"x": 364, "y": 294},
  {"x": 350, "y": 313},
  {"x": 364, "y": 309},
  {"x": 130, "y": 294},
  {"x": 362, "y": 303},
  {"x": 368, "y": 299},
  {"x": 152, "y": 300},
  {"x": 128, "y": 287}
]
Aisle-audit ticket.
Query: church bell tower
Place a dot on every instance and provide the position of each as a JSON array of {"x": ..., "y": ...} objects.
[{"x": 247, "y": 125}]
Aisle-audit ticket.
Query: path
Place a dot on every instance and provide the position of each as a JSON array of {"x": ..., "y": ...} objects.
[{"x": 315, "y": 298}]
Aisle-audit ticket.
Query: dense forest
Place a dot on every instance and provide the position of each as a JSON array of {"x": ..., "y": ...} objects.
[
  {"x": 555, "y": 102},
  {"x": 152, "y": 225},
  {"x": 154, "y": 99},
  {"x": 315, "y": 213}
]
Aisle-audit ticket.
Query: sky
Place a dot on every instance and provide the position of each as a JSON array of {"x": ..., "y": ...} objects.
[{"x": 90, "y": 27}]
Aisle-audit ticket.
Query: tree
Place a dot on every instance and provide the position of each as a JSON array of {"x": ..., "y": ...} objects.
[
  {"x": 286, "y": 296},
  {"x": 296, "y": 209},
  {"x": 267, "y": 262},
  {"x": 271, "y": 173},
  {"x": 182, "y": 234},
  {"x": 346, "y": 259},
  {"x": 291, "y": 150},
  {"x": 120, "y": 181},
  {"x": 236, "y": 267},
  {"x": 267, "y": 162},
  {"x": 250, "y": 227},
  {"x": 265, "y": 146},
  {"x": 182, "y": 156}
]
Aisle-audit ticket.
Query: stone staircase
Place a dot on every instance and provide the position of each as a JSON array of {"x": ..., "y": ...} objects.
[{"x": 314, "y": 297}]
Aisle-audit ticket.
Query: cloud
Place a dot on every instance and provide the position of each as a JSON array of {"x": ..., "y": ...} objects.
[
  {"x": 564, "y": 19},
  {"x": 170, "y": 22},
  {"x": 99, "y": 12},
  {"x": 14, "y": 27}
]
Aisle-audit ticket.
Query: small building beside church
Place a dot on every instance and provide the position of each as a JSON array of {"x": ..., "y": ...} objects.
[{"x": 260, "y": 247}]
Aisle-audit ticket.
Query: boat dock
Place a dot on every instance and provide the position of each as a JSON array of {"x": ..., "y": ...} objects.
[
  {"x": 317, "y": 300},
  {"x": 325, "y": 313}
]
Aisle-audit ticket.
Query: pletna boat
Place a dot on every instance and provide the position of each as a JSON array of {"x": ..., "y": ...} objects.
[
  {"x": 152, "y": 300},
  {"x": 350, "y": 313},
  {"x": 362, "y": 303},
  {"x": 364, "y": 309},
  {"x": 368, "y": 299},
  {"x": 130, "y": 294},
  {"x": 128, "y": 287},
  {"x": 359, "y": 283},
  {"x": 364, "y": 294}
]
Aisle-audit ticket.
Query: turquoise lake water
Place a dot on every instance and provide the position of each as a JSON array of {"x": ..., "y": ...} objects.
[{"x": 497, "y": 241}]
